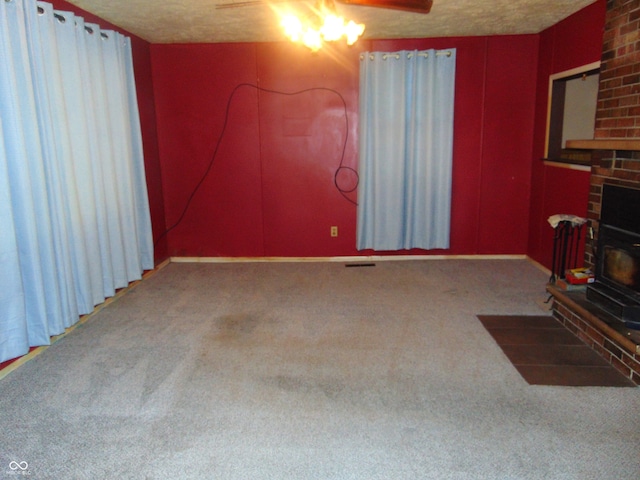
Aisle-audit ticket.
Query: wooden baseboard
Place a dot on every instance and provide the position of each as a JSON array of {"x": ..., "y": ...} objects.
[{"x": 354, "y": 258}]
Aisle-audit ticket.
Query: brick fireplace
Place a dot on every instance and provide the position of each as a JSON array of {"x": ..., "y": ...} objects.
[
  {"x": 615, "y": 160},
  {"x": 616, "y": 156}
]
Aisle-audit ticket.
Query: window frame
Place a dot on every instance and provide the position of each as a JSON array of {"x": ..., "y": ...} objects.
[{"x": 555, "y": 115}]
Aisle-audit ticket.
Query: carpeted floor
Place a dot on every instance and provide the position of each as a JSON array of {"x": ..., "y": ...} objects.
[
  {"x": 310, "y": 371},
  {"x": 546, "y": 353}
]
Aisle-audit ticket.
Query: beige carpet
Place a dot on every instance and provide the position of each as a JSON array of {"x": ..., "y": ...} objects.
[{"x": 310, "y": 371}]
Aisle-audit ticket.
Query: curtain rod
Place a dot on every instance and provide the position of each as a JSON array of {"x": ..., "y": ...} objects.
[{"x": 409, "y": 55}]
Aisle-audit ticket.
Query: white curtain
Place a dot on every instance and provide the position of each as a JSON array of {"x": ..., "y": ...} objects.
[
  {"x": 406, "y": 145},
  {"x": 74, "y": 212}
]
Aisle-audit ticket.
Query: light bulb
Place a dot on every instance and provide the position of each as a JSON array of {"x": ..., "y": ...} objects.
[
  {"x": 312, "y": 39},
  {"x": 352, "y": 31},
  {"x": 332, "y": 28},
  {"x": 292, "y": 27}
]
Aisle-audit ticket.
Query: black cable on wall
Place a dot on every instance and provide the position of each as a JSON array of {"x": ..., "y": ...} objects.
[{"x": 341, "y": 167}]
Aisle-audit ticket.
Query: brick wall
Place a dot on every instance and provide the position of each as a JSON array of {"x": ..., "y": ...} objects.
[
  {"x": 617, "y": 117},
  {"x": 618, "y": 109}
]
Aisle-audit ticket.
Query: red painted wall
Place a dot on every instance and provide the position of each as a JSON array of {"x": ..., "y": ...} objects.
[
  {"x": 146, "y": 105},
  {"x": 574, "y": 42},
  {"x": 270, "y": 190},
  {"x": 507, "y": 140},
  {"x": 210, "y": 162},
  {"x": 302, "y": 139}
]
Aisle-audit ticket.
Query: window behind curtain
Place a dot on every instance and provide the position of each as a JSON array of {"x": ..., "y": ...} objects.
[{"x": 406, "y": 145}]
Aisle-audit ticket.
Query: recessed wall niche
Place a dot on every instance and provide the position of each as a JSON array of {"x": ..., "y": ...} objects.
[{"x": 573, "y": 97}]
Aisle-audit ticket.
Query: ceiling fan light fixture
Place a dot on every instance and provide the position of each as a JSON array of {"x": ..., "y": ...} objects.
[{"x": 333, "y": 28}]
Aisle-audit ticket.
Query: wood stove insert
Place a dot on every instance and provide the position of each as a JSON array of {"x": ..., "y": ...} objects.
[{"x": 617, "y": 286}]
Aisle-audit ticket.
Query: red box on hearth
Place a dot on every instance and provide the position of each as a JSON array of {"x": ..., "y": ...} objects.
[{"x": 579, "y": 276}]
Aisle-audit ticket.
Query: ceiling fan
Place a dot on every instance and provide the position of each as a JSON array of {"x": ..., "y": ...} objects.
[
  {"x": 327, "y": 25},
  {"x": 415, "y": 6}
]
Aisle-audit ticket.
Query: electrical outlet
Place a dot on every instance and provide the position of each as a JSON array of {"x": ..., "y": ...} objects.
[{"x": 334, "y": 231}]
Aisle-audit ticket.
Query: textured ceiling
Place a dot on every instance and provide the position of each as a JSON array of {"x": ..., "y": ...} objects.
[{"x": 199, "y": 21}]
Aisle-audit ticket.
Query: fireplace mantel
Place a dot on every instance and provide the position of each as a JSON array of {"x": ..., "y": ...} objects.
[{"x": 630, "y": 144}]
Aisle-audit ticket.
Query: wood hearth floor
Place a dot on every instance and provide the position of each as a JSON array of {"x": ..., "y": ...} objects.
[{"x": 545, "y": 352}]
